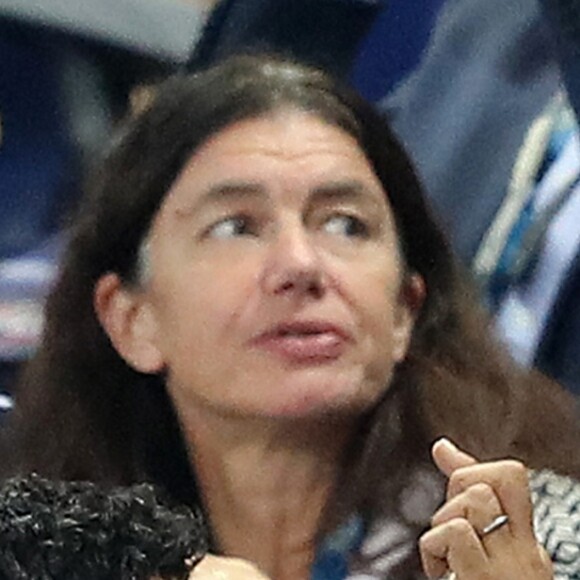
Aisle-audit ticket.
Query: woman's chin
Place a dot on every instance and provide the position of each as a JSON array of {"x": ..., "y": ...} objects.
[{"x": 340, "y": 396}]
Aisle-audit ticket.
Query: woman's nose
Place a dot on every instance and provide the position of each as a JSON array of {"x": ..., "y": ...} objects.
[{"x": 293, "y": 265}]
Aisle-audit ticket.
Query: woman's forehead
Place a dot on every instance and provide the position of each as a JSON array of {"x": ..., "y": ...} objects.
[
  {"x": 285, "y": 150},
  {"x": 289, "y": 130}
]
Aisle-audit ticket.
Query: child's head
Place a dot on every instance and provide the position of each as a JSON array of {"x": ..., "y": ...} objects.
[{"x": 78, "y": 530}]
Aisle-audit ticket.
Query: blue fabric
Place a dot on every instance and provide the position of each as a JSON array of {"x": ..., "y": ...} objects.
[
  {"x": 546, "y": 255},
  {"x": 394, "y": 46},
  {"x": 504, "y": 277},
  {"x": 332, "y": 558},
  {"x": 325, "y": 32},
  {"x": 36, "y": 156}
]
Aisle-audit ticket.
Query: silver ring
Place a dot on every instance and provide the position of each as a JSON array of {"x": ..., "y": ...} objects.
[{"x": 496, "y": 524}]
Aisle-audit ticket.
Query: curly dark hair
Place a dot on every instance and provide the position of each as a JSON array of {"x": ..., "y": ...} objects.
[{"x": 82, "y": 531}]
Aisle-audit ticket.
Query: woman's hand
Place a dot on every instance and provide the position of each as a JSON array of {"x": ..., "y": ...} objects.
[
  {"x": 221, "y": 568},
  {"x": 468, "y": 535}
]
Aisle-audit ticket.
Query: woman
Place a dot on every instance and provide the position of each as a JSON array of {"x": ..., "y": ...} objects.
[{"x": 258, "y": 313}]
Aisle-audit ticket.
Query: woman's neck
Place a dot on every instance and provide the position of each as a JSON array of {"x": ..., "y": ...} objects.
[{"x": 266, "y": 485}]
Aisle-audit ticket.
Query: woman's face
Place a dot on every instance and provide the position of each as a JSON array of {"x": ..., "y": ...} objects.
[{"x": 274, "y": 284}]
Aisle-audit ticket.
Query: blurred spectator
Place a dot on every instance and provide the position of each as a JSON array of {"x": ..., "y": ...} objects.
[
  {"x": 524, "y": 260},
  {"x": 323, "y": 32},
  {"x": 67, "y": 70},
  {"x": 469, "y": 113}
]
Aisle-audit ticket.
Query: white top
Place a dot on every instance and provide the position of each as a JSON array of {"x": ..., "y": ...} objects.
[{"x": 525, "y": 309}]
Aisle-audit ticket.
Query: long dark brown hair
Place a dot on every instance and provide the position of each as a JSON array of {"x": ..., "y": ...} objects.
[{"x": 82, "y": 413}]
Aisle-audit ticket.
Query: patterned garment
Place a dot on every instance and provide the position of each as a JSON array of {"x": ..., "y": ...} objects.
[{"x": 556, "y": 502}]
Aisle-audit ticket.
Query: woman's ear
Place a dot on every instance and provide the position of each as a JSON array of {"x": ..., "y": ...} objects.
[
  {"x": 411, "y": 298},
  {"x": 128, "y": 319}
]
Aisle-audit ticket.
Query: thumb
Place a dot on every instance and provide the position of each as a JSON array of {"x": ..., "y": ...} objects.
[
  {"x": 448, "y": 457},
  {"x": 214, "y": 567}
]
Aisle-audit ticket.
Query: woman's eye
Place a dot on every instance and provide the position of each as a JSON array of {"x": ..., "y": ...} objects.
[
  {"x": 231, "y": 227},
  {"x": 346, "y": 225}
]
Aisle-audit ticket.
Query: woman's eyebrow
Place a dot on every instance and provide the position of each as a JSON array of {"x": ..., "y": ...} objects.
[
  {"x": 223, "y": 191},
  {"x": 329, "y": 191},
  {"x": 348, "y": 190}
]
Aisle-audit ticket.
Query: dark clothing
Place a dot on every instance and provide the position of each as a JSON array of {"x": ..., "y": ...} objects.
[{"x": 326, "y": 33}]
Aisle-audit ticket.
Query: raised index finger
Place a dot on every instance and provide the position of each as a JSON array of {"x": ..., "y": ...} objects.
[
  {"x": 448, "y": 457},
  {"x": 508, "y": 479}
]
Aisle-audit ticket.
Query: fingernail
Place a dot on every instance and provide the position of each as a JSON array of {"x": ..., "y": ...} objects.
[{"x": 446, "y": 443}]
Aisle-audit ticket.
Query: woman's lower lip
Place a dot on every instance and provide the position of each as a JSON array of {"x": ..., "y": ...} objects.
[{"x": 318, "y": 347}]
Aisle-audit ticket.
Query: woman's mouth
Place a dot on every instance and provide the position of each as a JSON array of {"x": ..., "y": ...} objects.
[{"x": 304, "y": 342}]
